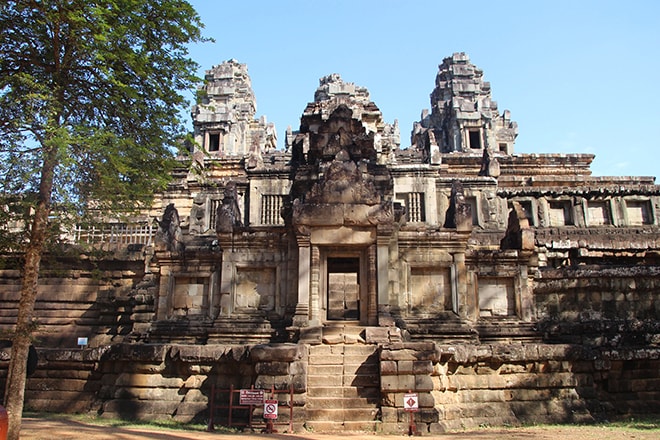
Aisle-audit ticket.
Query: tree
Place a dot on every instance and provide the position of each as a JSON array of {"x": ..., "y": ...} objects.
[{"x": 90, "y": 98}]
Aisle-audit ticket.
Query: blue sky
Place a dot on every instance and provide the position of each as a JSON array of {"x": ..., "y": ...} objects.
[{"x": 578, "y": 76}]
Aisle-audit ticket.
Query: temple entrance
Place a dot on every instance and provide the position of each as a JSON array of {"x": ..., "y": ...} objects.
[{"x": 343, "y": 287}]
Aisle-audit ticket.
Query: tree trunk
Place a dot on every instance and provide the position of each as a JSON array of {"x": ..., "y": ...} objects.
[{"x": 17, "y": 374}]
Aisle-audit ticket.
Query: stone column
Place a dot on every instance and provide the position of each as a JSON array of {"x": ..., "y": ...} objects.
[
  {"x": 372, "y": 304},
  {"x": 466, "y": 303},
  {"x": 301, "y": 315},
  {"x": 226, "y": 280},
  {"x": 315, "y": 271},
  {"x": 382, "y": 264},
  {"x": 165, "y": 293}
]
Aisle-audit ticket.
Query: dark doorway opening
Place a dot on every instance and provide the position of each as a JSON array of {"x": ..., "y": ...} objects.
[
  {"x": 475, "y": 139},
  {"x": 343, "y": 288}
]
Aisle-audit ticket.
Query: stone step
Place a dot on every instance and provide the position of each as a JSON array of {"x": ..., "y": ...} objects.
[
  {"x": 325, "y": 381},
  {"x": 352, "y": 380},
  {"x": 321, "y": 426},
  {"x": 362, "y": 369},
  {"x": 325, "y": 370},
  {"x": 332, "y": 392},
  {"x": 341, "y": 415},
  {"x": 360, "y": 380},
  {"x": 362, "y": 426},
  {"x": 360, "y": 349},
  {"x": 347, "y": 403}
]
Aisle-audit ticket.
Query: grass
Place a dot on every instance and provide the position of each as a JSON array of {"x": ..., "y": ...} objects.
[
  {"x": 92, "y": 419},
  {"x": 645, "y": 423}
]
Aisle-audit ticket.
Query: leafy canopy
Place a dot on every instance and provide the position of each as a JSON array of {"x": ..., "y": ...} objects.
[{"x": 95, "y": 86}]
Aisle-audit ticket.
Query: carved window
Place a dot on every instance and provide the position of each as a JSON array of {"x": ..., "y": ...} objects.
[
  {"x": 639, "y": 212},
  {"x": 271, "y": 205},
  {"x": 598, "y": 213},
  {"x": 559, "y": 213},
  {"x": 213, "y": 214},
  {"x": 415, "y": 205}
]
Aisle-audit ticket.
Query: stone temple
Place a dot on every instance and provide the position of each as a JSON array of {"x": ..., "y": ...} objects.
[{"x": 498, "y": 287}]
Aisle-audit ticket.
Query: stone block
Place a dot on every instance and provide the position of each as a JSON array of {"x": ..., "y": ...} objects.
[
  {"x": 397, "y": 383},
  {"x": 377, "y": 335},
  {"x": 389, "y": 414},
  {"x": 267, "y": 382},
  {"x": 272, "y": 368},
  {"x": 148, "y": 381},
  {"x": 388, "y": 368},
  {"x": 276, "y": 352},
  {"x": 423, "y": 383},
  {"x": 422, "y": 367},
  {"x": 405, "y": 367},
  {"x": 189, "y": 411},
  {"x": 195, "y": 395},
  {"x": 147, "y": 393},
  {"x": 299, "y": 383}
]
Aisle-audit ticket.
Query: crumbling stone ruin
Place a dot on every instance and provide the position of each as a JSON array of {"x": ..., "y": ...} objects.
[{"x": 499, "y": 287}]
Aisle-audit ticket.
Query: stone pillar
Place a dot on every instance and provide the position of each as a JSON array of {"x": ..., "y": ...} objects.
[
  {"x": 382, "y": 264},
  {"x": 315, "y": 273},
  {"x": 372, "y": 311},
  {"x": 301, "y": 315},
  {"x": 226, "y": 280},
  {"x": 165, "y": 288},
  {"x": 466, "y": 303},
  {"x": 526, "y": 297}
]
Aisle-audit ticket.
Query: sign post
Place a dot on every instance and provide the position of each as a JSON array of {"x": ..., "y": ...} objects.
[
  {"x": 270, "y": 414},
  {"x": 411, "y": 405}
]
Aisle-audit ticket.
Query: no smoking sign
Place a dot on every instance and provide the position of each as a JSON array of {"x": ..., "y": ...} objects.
[{"x": 270, "y": 409}]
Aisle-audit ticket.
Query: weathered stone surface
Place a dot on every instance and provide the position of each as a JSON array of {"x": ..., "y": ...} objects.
[
  {"x": 279, "y": 352},
  {"x": 507, "y": 287}
]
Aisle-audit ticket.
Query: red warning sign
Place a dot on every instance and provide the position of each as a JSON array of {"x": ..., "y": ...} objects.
[
  {"x": 410, "y": 402},
  {"x": 270, "y": 409}
]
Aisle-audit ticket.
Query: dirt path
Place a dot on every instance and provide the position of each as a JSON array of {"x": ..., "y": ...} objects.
[{"x": 47, "y": 429}]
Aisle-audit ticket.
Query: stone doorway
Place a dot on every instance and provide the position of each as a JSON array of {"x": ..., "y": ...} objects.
[
  {"x": 343, "y": 281},
  {"x": 345, "y": 286}
]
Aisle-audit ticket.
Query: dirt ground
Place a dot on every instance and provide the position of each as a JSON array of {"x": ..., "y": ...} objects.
[{"x": 51, "y": 429}]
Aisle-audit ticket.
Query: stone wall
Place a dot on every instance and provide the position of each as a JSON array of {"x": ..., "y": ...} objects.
[
  {"x": 470, "y": 386},
  {"x": 459, "y": 386},
  {"x": 151, "y": 382}
]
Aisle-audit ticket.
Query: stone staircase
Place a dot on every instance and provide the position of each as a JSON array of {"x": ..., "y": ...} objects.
[{"x": 343, "y": 388}]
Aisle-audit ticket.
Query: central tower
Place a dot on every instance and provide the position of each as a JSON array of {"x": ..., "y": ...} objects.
[{"x": 342, "y": 211}]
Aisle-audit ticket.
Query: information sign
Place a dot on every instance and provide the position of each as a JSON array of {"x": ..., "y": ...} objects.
[{"x": 251, "y": 397}]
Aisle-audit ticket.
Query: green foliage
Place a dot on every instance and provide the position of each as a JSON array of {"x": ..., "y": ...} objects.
[{"x": 96, "y": 84}]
